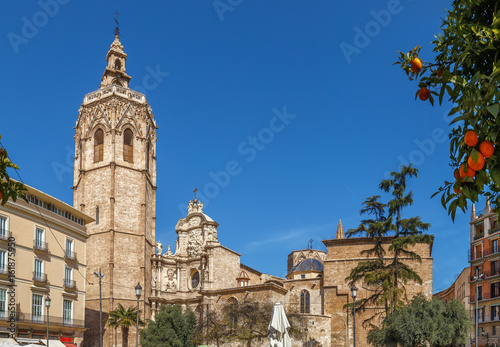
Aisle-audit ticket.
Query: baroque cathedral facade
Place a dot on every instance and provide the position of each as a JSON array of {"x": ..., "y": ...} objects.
[{"x": 115, "y": 182}]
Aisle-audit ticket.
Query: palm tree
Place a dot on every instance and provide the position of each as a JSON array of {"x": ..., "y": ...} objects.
[
  {"x": 123, "y": 318},
  {"x": 113, "y": 323}
]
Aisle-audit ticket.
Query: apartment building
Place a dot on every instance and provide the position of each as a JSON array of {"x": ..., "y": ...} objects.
[
  {"x": 42, "y": 256},
  {"x": 484, "y": 279}
]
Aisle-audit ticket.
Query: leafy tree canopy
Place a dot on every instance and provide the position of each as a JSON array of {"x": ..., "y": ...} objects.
[
  {"x": 8, "y": 187},
  {"x": 424, "y": 323},
  {"x": 172, "y": 327},
  {"x": 466, "y": 69}
]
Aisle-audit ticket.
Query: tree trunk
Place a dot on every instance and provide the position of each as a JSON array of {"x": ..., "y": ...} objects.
[{"x": 124, "y": 337}]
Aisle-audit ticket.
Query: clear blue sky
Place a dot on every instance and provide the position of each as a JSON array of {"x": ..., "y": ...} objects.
[{"x": 312, "y": 81}]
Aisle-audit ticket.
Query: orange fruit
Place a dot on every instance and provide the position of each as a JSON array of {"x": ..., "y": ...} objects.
[
  {"x": 476, "y": 166},
  {"x": 486, "y": 148},
  {"x": 470, "y": 172},
  {"x": 471, "y": 138},
  {"x": 456, "y": 174},
  {"x": 424, "y": 93},
  {"x": 416, "y": 65}
]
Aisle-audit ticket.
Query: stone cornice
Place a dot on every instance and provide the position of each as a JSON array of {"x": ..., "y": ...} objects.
[{"x": 253, "y": 288}]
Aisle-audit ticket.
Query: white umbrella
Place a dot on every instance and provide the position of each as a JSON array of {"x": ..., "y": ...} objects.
[{"x": 278, "y": 327}]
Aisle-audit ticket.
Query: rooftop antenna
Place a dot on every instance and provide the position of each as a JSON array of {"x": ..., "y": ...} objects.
[{"x": 117, "y": 28}]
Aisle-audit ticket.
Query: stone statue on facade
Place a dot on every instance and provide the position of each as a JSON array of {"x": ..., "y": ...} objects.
[
  {"x": 191, "y": 207},
  {"x": 169, "y": 252},
  {"x": 159, "y": 248},
  {"x": 153, "y": 282}
]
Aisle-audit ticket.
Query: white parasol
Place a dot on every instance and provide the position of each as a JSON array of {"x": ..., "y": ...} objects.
[{"x": 278, "y": 327}]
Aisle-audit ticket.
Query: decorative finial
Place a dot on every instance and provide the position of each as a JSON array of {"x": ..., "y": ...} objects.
[
  {"x": 117, "y": 28},
  {"x": 310, "y": 244},
  {"x": 194, "y": 191},
  {"x": 340, "y": 231}
]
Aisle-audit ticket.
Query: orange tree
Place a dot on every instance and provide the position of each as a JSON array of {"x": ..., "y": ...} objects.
[{"x": 466, "y": 70}]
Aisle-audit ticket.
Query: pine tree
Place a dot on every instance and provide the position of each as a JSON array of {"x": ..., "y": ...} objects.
[{"x": 385, "y": 273}]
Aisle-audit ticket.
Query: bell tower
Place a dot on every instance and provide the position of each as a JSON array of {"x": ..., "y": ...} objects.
[{"x": 115, "y": 181}]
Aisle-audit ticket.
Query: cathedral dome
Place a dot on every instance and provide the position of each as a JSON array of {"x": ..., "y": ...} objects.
[{"x": 308, "y": 265}]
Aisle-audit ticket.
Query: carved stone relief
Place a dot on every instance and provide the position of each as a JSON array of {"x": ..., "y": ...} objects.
[
  {"x": 195, "y": 243},
  {"x": 211, "y": 232},
  {"x": 170, "y": 281}
]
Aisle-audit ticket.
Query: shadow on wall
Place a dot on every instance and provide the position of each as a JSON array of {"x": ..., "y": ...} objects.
[{"x": 91, "y": 335}]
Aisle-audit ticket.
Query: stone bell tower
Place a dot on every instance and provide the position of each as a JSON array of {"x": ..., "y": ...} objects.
[{"x": 115, "y": 182}]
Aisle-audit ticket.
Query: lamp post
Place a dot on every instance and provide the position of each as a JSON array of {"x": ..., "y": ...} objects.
[
  {"x": 47, "y": 304},
  {"x": 476, "y": 278},
  {"x": 100, "y": 275},
  {"x": 138, "y": 289},
  {"x": 354, "y": 292}
]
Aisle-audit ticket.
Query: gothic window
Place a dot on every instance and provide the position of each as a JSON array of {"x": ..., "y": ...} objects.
[
  {"x": 304, "y": 302},
  {"x": 98, "y": 145},
  {"x": 147, "y": 156},
  {"x": 80, "y": 153},
  {"x": 128, "y": 146}
]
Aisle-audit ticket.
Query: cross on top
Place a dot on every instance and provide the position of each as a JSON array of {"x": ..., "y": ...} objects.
[
  {"x": 117, "y": 30},
  {"x": 310, "y": 244},
  {"x": 195, "y": 190}
]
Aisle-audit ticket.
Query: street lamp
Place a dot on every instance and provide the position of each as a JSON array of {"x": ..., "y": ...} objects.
[
  {"x": 100, "y": 275},
  {"x": 476, "y": 278},
  {"x": 47, "y": 304},
  {"x": 354, "y": 292},
  {"x": 138, "y": 289}
]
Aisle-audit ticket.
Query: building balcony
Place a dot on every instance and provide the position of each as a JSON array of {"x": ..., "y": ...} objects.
[
  {"x": 478, "y": 236},
  {"x": 485, "y": 275},
  {"x": 40, "y": 246},
  {"x": 69, "y": 284},
  {"x": 5, "y": 234},
  {"x": 475, "y": 255},
  {"x": 39, "y": 277},
  {"x": 485, "y": 296},
  {"x": 53, "y": 320},
  {"x": 70, "y": 255}
]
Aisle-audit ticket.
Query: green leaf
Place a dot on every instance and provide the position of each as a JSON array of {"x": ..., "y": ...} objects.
[{"x": 493, "y": 109}]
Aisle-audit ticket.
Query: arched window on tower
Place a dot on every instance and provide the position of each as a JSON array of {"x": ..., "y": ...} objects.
[
  {"x": 147, "y": 156},
  {"x": 98, "y": 145},
  {"x": 118, "y": 64},
  {"x": 304, "y": 301},
  {"x": 128, "y": 146},
  {"x": 80, "y": 153}
]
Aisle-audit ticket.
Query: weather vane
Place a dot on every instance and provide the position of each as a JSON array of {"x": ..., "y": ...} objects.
[{"x": 117, "y": 29}]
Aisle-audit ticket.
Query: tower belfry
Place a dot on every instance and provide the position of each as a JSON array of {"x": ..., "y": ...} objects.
[{"x": 115, "y": 181}]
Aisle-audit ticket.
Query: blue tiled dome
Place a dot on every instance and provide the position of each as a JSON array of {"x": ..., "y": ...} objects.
[{"x": 308, "y": 265}]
